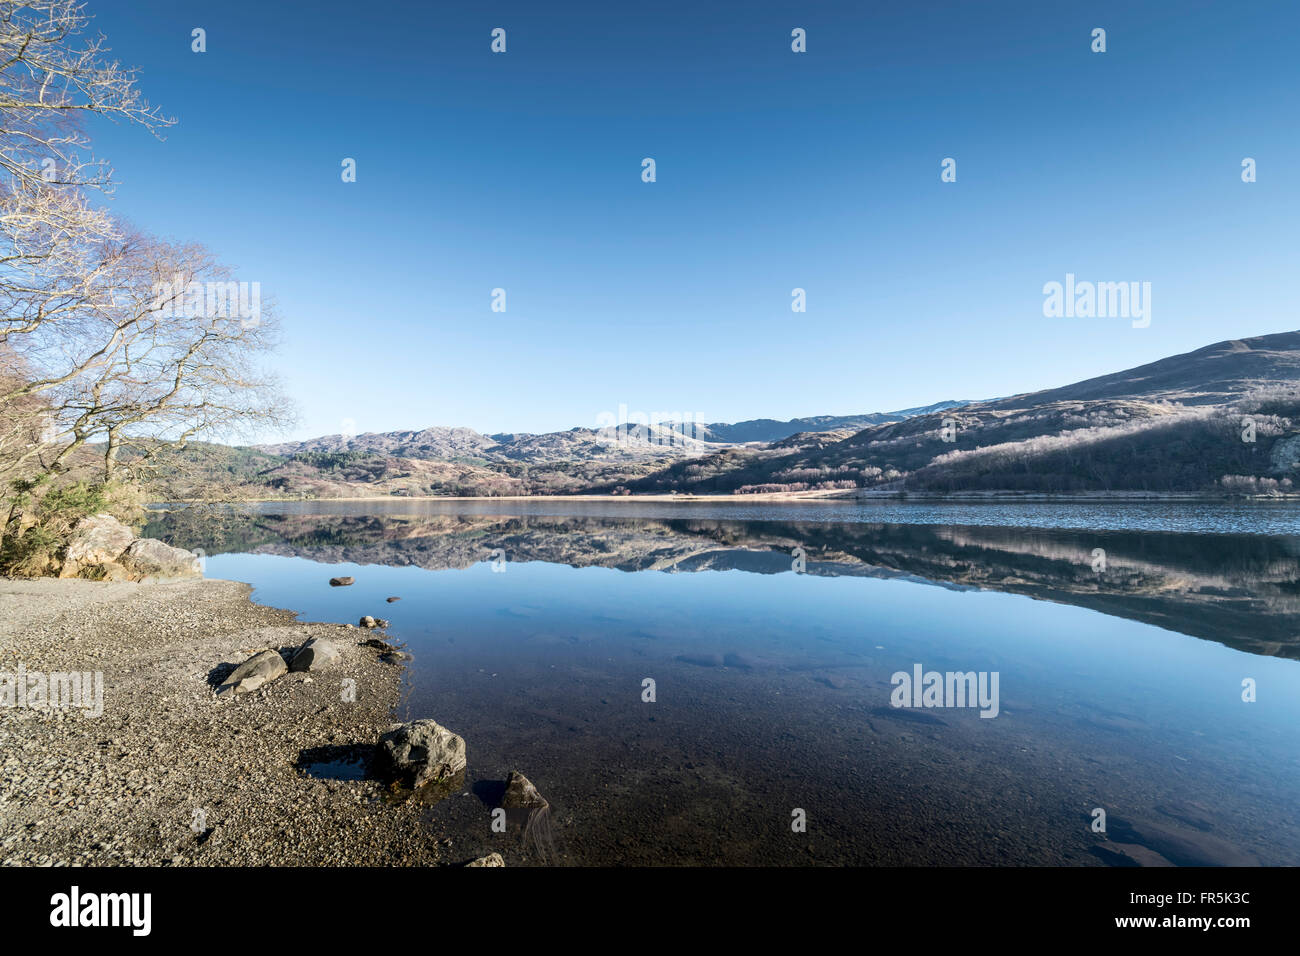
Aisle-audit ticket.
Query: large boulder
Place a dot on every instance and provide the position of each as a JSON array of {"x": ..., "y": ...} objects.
[
  {"x": 151, "y": 558},
  {"x": 422, "y": 751},
  {"x": 96, "y": 540},
  {"x": 315, "y": 655},
  {"x": 257, "y": 671}
]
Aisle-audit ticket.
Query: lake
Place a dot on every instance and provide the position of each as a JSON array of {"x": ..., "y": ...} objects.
[{"x": 1140, "y": 663}]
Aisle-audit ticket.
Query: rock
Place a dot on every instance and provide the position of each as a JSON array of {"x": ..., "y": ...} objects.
[
  {"x": 1129, "y": 854},
  {"x": 390, "y": 601},
  {"x": 315, "y": 655},
  {"x": 151, "y": 558},
  {"x": 372, "y": 622},
  {"x": 522, "y": 802},
  {"x": 258, "y": 670},
  {"x": 1195, "y": 815},
  {"x": 520, "y": 792},
  {"x": 1191, "y": 847},
  {"x": 423, "y": 751},
  {"x": 701, "y": 660},
  {"x": 492, "y": 859},
  {"x": 96, "y": 540},
  {"x": 114, "y": 572},
  {"x": 342, "y": 582},
  {"x": 1182, "y": 846}
]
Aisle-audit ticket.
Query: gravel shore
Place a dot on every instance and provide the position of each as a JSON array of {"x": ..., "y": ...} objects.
[{"x": 170, "y": 774}]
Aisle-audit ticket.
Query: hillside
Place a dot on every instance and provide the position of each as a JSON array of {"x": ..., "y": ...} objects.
[
  {"x": 1170, "y": 426},
  {"x": 1217, "y": 374},
  {"x": 770, "y": 430}
]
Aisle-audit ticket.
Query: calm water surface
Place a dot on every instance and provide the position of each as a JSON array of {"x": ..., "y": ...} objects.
[{"x": 1121, "y": 636}]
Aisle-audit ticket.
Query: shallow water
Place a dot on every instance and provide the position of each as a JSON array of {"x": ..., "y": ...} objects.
[{"x": 771, "y": 633}]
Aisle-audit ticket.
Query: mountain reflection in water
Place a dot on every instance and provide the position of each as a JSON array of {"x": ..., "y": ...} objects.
[
  {"x": 1240, "y": 590},
  {"x": 1120, "y": 680}
]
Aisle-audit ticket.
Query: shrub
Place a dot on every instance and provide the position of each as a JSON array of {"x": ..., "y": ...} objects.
[{"x": 37, "y": 533}]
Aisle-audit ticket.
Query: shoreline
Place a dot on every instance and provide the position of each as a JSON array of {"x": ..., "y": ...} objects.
[
  {"x": 170, "y": 774},
  {"x": 798, "y": 497}
]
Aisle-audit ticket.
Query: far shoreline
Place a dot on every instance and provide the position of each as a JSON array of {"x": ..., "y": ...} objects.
[{"x": 797, "y": 497}]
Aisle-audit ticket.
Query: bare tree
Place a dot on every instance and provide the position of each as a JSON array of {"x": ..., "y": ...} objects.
[
  {"x": 162, "y": 346},
  {"x": 53, "y": 239},
  {"x": 112, "y": 343},
  {"x": 51, "y": 76}
]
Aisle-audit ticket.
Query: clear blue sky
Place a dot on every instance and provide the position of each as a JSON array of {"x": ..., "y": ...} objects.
[{"x": 775, "y": 170}]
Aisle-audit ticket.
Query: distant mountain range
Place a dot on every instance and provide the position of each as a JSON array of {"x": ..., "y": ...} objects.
[
  {"x": 1224, "y": 418},
  {"x": 587, "y": 443},
  {"x": 770, "y": 430}
]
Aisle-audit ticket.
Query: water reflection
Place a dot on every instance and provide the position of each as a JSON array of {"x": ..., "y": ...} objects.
[
  {"x": 774, "y": 687},
  {"x": 1240, "y": 590}
]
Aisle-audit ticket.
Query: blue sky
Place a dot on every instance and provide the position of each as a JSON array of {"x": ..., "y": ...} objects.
[{"x": 775, "y": 170}]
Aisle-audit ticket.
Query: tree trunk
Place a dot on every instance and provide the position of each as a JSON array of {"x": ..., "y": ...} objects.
[{"x": 110, "y": 456}]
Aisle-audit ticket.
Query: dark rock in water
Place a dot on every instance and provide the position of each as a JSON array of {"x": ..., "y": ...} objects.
[
  {"x": 908, "y": 714},
  {"x": 1119, "y": 723},
  {"x": 1193, "y": 814},
  {"x": 492, "y": 859},
  {"x": 258, "y": 670},
  {"x": 739, "y": 661},
  {"x": 422, "y": 752},
  {"x": 701, "y": 660},
  {"x": 833, "y": 681},
  {"x": 1180, "y": 845},
  {"x": 1129, "y": 854},
  {"x": 396, "y": 657},
  {"x": 521, "y": 799},
  {"x": 390, "y": 601},
  {"x": 315, "y": 655},
  {"x": 520, "y": 792},
  {"x": 342, "y": 582}
]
